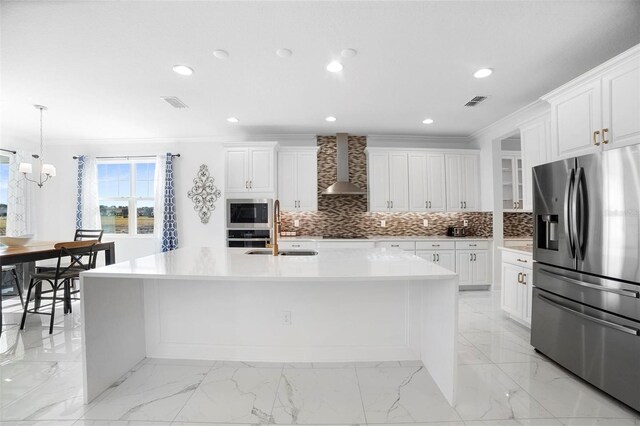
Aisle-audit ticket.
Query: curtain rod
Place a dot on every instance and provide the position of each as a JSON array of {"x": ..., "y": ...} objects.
[
  {"x": 75, "y": 157},
  {"x": 7, "y": 150}
]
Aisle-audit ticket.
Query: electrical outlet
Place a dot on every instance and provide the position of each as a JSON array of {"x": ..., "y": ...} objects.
[
  {"x": 286, "y": 317},
  {"x": 465, "y": 222},
  {"x": 296, "y": 223},
  {"x": 425, "y": 223},
  {"x": 383, "y": 223}
]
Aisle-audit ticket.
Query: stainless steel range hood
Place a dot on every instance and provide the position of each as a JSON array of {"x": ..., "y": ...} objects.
[{"x": 343, "y": 186}]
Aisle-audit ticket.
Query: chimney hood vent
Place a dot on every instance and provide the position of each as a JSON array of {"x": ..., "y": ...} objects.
[{"x": 343, "y": 186}]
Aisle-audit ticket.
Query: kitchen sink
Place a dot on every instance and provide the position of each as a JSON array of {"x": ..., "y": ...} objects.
[{"x": 285, "y": 252}]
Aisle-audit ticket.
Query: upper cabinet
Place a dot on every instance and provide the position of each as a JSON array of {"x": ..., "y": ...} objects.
[
  {"x": 298, "y": 179},
  {"x": 426, "y": 182},
  {"x": 599, "y": 110},
  {"x": 512, "y": 182},
  {"x": 462, "y": 182},
  {"x": 251, "y": 169},
  {"x": 388, "y": 181}
]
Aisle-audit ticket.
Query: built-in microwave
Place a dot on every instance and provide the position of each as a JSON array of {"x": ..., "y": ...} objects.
[{"x": 249, "y": 213}]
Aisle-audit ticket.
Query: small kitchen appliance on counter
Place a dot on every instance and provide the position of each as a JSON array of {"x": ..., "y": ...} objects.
[{"x": 457, "y": 231}]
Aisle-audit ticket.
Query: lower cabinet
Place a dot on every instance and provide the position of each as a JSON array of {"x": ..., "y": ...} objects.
[
  {"x": 444, "y": 258},
  {"x": 517, "y": 288},
  {"x": 472, "y": 263}
]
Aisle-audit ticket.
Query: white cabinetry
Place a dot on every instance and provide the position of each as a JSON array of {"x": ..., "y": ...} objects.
[
  {"x": 439, "y": 252},
  {"x": 388, "y": 181},
  {"x": 250, "y": 169},
  {"x": 298, "y": 179},
  {"x": 297, "y": 245},
  {"x": 516, "y": 285},
  {"x": 472, "y": 263},
  {"x": 462, "y": 182},
  {"x": 512, "y": 182},
  {"x": 409, "y": 246},
  {"x": 426, "y": 182},
  {"x": 598, "y": 110},
  {"x": 534, "y": 139}
]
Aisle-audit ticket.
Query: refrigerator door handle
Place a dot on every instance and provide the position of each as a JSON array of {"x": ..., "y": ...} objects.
[
  {"x": 609, "y": 324},
  {"x": 580, "y": 213},
  {"x": 568, "y": 212},
  {"x": 621, "y": 292}
]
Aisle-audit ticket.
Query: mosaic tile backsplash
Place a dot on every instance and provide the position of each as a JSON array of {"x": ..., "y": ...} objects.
[
  {"x": 517, "y": 225},
  {"x": 347, "y": 214}
]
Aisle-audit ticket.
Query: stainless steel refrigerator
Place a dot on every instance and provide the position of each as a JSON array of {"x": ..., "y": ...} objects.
[{"x": 586, "y": 295}]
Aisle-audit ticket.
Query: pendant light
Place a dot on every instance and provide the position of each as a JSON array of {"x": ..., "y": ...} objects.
[{"x": 45, "y": 169}]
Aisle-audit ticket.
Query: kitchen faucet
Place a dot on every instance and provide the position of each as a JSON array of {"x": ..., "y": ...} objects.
[{"x": 276, "y": 227}]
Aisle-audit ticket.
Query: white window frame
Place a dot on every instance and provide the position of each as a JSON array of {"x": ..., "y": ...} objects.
[{"x": 131, "y": 200}]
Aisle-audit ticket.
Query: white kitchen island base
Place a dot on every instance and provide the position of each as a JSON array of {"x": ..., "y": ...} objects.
[{"x": 296, "y": 309}]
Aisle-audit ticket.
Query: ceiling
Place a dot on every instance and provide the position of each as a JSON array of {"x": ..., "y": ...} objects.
[{"x": 101, "y": 66}]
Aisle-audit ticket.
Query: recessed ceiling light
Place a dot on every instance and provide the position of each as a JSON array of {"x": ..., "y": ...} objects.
[
  {"x": 427, "y": 121},
  {"x": 334, "y": 66},
  {"x": 483, "y": 72},
  {"x": 349, "y": 53},
  {"x": 233, "y": 120},
  {"x": 221, "y": 54},
  {"x": 284, "y": 53},
  {"x": 182, "y": 70},
  {"x": 330, "y": 119}
]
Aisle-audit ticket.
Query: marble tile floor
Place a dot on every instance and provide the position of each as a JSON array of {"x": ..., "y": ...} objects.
[{"x": 502, "y": 382}]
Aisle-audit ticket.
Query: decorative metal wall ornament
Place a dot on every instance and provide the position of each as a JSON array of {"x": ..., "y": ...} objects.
[{"x": 204, "y": 194}]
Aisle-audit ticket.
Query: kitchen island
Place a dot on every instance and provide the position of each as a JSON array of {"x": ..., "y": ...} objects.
[{"x": 342, "y": 305}]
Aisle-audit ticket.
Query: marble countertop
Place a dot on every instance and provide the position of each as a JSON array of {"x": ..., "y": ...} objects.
[
  {"x": 233, "y": 264},
  {"x": 519, "y": 249},
  {"x": 375, "y": 238}
]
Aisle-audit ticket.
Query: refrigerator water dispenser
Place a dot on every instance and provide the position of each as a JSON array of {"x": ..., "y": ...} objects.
[{"x": 547, "y": 231}]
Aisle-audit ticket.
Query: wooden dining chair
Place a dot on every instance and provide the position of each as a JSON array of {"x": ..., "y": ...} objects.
[{"x": 81, "y": 255}]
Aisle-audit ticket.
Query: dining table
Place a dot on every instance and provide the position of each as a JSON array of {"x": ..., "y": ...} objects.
[{"x": 25, "y": 258}]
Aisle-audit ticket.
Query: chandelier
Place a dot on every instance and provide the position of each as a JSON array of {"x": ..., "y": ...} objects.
[{"x": 45, "y": 169}]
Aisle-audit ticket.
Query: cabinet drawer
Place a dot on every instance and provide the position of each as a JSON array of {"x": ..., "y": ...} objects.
[
  {"x": 472, "y": 245},
  {"x": 524, "y": 260},
  {"x": 435, "y": 245},
  {"x": 345, "y": 244},
  {"x": 292, "y": 245},
  {"x": 402, "y": 245}
]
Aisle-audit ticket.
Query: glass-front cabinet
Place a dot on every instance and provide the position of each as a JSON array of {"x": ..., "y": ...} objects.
[{"x": 512, "y": 182}]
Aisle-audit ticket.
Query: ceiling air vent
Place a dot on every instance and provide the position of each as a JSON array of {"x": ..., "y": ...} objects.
[
  {"x": 174, "y": 101},
  {"x": 475, "y": 101}
]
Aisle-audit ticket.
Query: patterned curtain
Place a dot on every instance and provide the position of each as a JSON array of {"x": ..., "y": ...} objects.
[
  {"x": 169, "y": 224},
  {"x": 19, "y": 197},
  {"x": 87, "y": 203}
]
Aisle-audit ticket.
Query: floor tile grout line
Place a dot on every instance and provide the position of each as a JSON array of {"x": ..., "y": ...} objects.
[
  {"x": 364, "y": 411},
  {"x": 215, "y": 363}
]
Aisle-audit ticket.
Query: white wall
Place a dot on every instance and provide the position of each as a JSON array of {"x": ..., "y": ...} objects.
[{"x": 55, "y": 216}]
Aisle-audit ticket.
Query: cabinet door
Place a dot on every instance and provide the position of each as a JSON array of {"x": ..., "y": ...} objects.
[
  {"x": 508, "y": 183},
  {"x": 398, "y": 182},
  {"x": 436, "y": 189},
  {"x": 527, "y": 292},
  {"x": 463, "y": 267},
  {"x": 511, "y": 300},
  {"x": 534, "y": 142},
  {"x": 379, "y": 182},
  {"x": 447, "y": 259},
  {"x": 575, "y": 116},
  {"x": 481, "y": 267},
  {"x": 470, "y": 183},
  {"x": 307, "y": 181},
  {"x": 428, "y": 255},
  {"x": 454, "y": 183},
  {"x": 261, "y": 170},
  {"x": 287, "y": 181},
  {"x": 237, "y": 175},
  {"x": 621, "y": 105},
  {"x": 418, "y": 182}
]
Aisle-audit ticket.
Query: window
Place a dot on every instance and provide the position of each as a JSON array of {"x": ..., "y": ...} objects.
[
  {"x": 125, "y": 187},
  {"x": 4, "y": 192}
]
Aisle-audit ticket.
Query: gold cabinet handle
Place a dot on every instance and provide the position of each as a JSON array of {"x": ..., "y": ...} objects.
[
  {"x": 604, "y": 136},
  {"x": 595, "y": 138}
]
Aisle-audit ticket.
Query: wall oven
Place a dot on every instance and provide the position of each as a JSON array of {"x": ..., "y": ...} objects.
[
  {"x": 248, "y": 237},
  {"x": 245, "y": 213}
]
